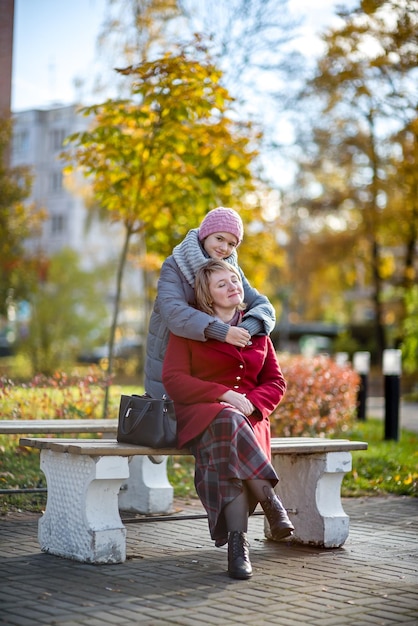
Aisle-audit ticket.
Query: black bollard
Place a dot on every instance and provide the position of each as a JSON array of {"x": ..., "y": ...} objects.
[
  {"x": 361, "y": 364},
  {"x": 362, "y": 398},
  {"x": 392, "y": 382}
]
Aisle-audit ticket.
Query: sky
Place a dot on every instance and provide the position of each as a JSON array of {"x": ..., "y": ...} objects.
[{"x": 55, "y": 44}]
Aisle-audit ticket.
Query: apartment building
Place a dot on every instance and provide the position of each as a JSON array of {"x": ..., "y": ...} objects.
[{"x": 38, "y": 137}]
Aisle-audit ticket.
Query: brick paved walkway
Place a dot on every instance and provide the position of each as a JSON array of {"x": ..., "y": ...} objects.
[{"x": 174, "y": 575}]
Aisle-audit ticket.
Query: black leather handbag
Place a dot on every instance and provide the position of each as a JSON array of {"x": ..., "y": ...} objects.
[{"x": 147, "y": 421}]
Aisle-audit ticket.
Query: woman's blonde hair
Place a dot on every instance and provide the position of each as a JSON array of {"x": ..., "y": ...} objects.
[{"x": 202, "y": 281}]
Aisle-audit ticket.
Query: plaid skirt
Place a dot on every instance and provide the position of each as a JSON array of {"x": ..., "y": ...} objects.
[{"x": 227, "y": 454}]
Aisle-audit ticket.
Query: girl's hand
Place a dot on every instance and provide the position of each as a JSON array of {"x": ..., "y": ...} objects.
[
  {"x": 237, "y": 336},
  {"x": 239, "y": 401}
]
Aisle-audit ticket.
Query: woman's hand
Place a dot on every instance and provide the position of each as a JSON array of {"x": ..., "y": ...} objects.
[
  {"x": 239, "y": 401},
  {"x": 237, "y": 336}
]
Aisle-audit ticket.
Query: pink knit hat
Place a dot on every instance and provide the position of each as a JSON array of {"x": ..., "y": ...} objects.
[{"x": 222, "y": 220}]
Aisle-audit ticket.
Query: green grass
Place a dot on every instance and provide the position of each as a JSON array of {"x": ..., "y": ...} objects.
[
  {"x": 19, "y": 469},
  {"x": 387, "y": 467},
  {"x": 180, "y": 472}
]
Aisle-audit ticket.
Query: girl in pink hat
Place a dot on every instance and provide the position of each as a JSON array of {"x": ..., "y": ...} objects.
[{"x": 217, "y": 237}]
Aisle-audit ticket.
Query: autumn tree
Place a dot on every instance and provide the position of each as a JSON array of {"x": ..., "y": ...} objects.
[
  {"x": 66, "y": 307},
  {"x": 18, "y": 220},
  {"x": 400, "y": 237},
  {"x": 410, "y": 338},
  {"x": 252, "y": 43},
  {"x": 161, "y": 159},
  {"x": 132, "y": 31},
  {"x": 363, "y": 90},
  {"x": 249, "y": 41}
]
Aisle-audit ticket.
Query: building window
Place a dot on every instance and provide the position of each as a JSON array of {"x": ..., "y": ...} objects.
[
  {"x": 56, "y": 182},
  {"x": 57, "y": 136},
  {"x": 21, "y": 141},
  {"x": 57, "y": 224}
]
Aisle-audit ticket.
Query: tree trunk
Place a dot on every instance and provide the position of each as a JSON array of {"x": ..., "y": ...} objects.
[
  {"x": 379, "y": 325},
  {"x": 119, "y": 279},
  {"x": 372, "y": 227}
]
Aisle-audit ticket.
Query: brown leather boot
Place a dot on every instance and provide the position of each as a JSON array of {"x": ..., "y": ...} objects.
[
  {"x": 280, "y": 524},
  {"x": 239, "y": 565}
]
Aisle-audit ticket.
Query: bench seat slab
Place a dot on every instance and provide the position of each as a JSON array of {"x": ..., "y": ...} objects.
[
  {"x": 310, "y": 488},
  {"x": 81, "y": 520}
]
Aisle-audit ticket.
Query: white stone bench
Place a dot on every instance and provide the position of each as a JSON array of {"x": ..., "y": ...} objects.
[
  {"x": 99, "y": 427},
  {"x": 58, "y": 426},
  {"x": 146, "y": 491},
  {"x": 82, "y": 520}
]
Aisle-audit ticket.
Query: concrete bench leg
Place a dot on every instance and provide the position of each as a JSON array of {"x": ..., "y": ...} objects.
[
  {"x": 148, "y": 489},
  {"x": 81, "y": 520},
  {"x": 310, "y": 488}
]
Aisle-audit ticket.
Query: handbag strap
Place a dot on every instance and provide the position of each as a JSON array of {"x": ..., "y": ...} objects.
[{"x": 138, "y": 419}]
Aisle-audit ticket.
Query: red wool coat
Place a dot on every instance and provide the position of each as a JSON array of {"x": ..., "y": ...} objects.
[{"x": 196, "y": 373}]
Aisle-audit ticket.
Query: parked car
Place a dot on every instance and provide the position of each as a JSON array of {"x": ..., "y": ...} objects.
[
  {"x": 123, "y": 350},
  {"x": 6, "y": 348}
]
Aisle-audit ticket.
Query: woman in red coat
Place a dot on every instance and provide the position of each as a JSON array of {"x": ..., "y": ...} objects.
[{"x": 223, "y": 397}]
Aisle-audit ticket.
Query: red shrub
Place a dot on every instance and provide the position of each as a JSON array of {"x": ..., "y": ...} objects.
[{"x": 320, "y": 399}]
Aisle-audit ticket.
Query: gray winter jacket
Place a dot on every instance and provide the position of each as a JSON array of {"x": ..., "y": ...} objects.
[{"x": 173, "y": 309}]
